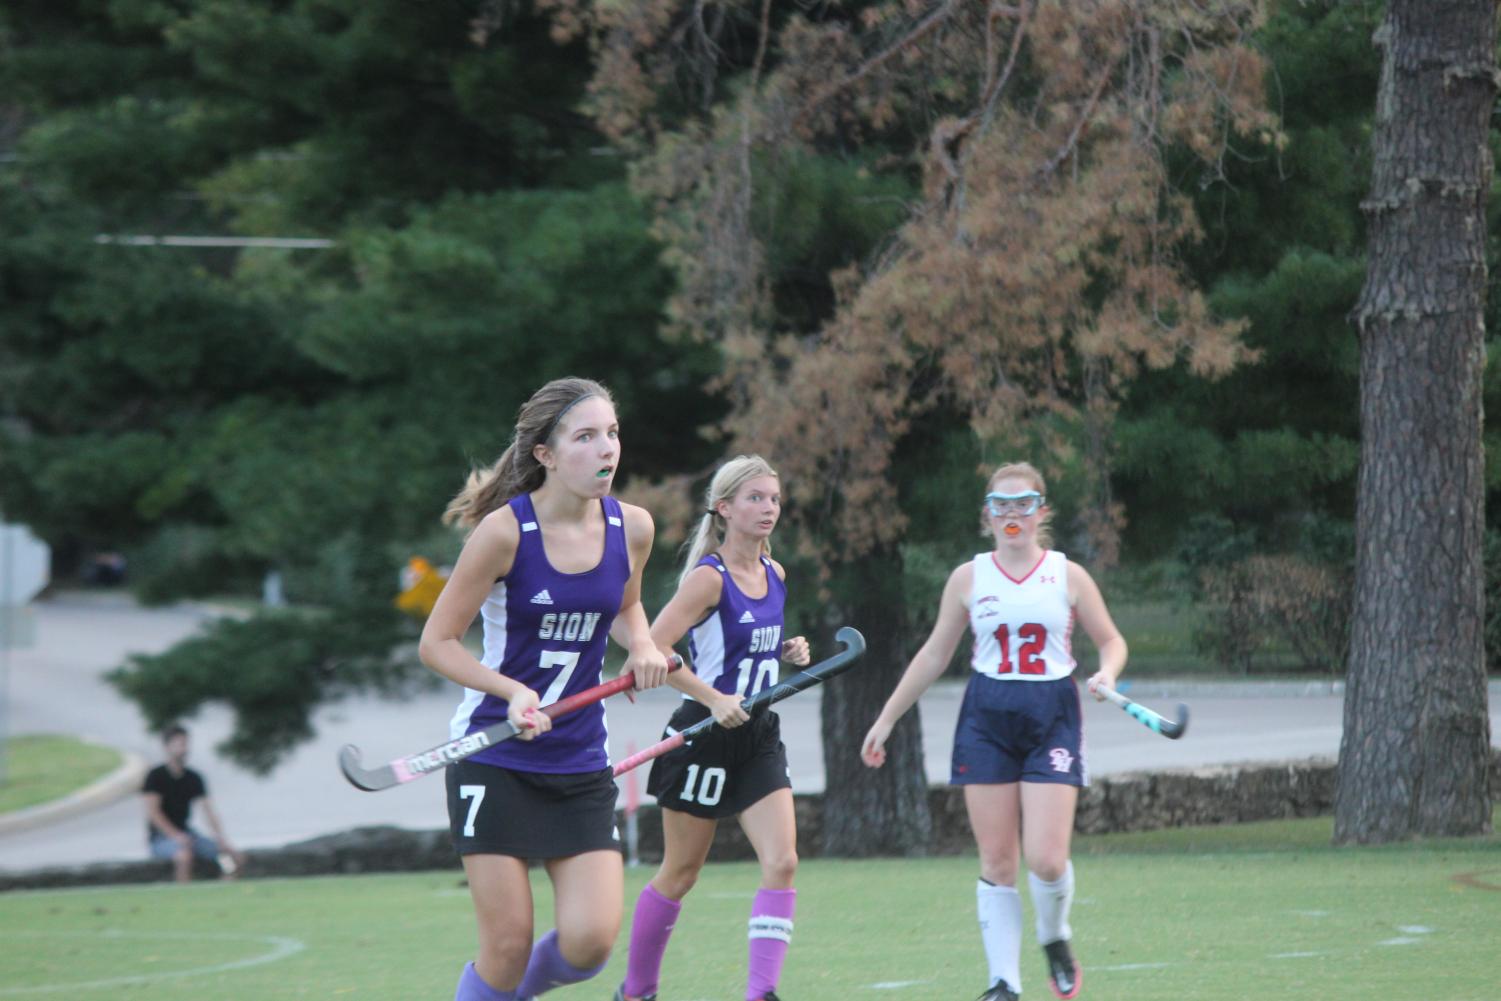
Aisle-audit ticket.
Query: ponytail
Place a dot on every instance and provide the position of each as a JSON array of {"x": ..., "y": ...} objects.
[
  {"x": 517, "y": 471},
  {"x": 703, "y": 538}
]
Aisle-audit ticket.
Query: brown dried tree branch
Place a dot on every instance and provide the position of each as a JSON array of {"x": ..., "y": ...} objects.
[
  {"x": 934, "y": 18},
  {"x": 1063, "y": 153}
]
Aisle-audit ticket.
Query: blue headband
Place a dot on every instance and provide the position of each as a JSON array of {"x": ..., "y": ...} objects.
[{"x": 564, "y": 413}]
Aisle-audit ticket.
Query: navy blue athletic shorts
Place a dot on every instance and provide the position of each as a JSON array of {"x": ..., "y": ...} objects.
[{"x": 1019, "y": 731}]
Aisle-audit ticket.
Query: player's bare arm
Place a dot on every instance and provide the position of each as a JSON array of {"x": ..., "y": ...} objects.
[
  {"x": 795, "y": 650},
  {"x": 486, "y": 557},
  {"x": 927, "y": 665},
  {"x": 698, "y": 595},
  {"x": 1094, "y": 618},
  {"x": 631, "y": 629}
]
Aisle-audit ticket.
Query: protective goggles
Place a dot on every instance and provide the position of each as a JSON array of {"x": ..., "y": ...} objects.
[{"x": 1015, "y": 505}]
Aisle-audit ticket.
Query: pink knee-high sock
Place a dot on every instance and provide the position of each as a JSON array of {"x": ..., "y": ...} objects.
[
  {"x": 473, "y": 987},
  {"x": 650, "y": 928},
  {"x": 770, "y": 933},
  {"x": 548, "y": 969}
]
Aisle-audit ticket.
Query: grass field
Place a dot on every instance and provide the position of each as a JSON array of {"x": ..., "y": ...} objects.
[
  {"x": 1261, "y": 910},
  {"x": 43, "y": 768}
]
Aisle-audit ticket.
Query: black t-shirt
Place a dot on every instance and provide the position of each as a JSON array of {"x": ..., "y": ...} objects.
[{"x": 177, "y": 793}]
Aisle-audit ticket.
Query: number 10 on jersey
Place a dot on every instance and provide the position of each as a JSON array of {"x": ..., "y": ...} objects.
[{"x": 765, "y": 674}]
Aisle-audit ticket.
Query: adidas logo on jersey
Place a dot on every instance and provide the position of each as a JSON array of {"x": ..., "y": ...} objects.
[
  {"x": 542, "y": 598},
  {"x": 747, "y": 617}
]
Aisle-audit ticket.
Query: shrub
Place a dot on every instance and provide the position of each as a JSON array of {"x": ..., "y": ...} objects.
[{"x": 1278, "y": 600}]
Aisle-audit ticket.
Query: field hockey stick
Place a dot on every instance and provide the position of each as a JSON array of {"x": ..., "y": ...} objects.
[
  {"x": 854, "y": 646},
  {"x": 414, "y": 766},
  {"x": 1171, "y": 729}
]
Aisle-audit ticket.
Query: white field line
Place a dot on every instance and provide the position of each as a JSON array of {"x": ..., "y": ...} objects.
[
  {"x": 281, "y": 948},
  {"x": 1408, "y": 938},
  {"x": 1129, "y": 966}
]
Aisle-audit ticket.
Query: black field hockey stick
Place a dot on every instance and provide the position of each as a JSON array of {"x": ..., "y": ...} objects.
[
  {"x": 854, "y": 646},
  {"x": 1157, "y": 723},
  {"x": 414, "y": 766}
]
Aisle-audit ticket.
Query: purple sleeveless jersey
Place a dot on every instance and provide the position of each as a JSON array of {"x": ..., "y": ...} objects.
[
  {"x": 548, "y": 630},
  {"x": 737, "y": 647}
]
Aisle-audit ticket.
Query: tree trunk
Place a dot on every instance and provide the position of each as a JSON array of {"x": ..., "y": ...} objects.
[
  {"x": 1414, "y": 759},
  {"x": 873, "y": 811}
]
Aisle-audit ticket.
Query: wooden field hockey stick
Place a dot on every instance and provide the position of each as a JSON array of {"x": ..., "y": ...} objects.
[
  {"x": 854, "y": 646},
  {"x": 1157, "y": 723},
  {"x": 413, "y": 766}
]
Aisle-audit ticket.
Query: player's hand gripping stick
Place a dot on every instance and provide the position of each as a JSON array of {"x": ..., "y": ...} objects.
[{"x": 413, "y": 766}]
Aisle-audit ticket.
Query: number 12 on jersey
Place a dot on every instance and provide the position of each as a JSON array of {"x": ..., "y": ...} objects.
[{"x": 1029, "y": 655}]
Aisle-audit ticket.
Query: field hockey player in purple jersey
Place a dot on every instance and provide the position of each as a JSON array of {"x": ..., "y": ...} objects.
[
  {"x": 553, "y": 565},
  {"x": 729, "y": 602},
  {"x": 1019, "y": 742}
]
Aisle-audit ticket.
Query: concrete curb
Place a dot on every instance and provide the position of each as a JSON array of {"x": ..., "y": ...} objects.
[
  {"x": 1170, "y": 687},
  {"x": 1188, "y": 688},
  {"x": 1144, "y": 688},
  {"x": 121, "y": 782}
]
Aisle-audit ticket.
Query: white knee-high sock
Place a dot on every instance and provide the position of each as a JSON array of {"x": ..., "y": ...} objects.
[
  {"x": 1000, "y": 911},
  {"x": 1050, "y": 903}
]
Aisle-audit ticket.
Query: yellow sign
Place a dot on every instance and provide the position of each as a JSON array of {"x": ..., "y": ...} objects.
[{"x": 421, "y": 583}]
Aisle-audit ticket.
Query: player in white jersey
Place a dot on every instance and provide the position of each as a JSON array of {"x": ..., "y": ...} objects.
[{"x": 1018, "y": 745}]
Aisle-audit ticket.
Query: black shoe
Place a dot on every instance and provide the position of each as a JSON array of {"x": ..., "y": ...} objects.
[
  {"x": 620, "y": 995},
  {"x": 1001, "y": 991},
  {"x": 1064, "y": 975},
  {"x": 770, "y": 996}
]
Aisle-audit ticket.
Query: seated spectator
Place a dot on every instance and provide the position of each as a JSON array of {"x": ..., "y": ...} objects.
[{"x": 169, "y": 791}]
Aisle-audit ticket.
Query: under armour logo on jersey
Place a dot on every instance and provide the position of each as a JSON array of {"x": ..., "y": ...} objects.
[
  {"x": 613, "y": 520},
  {"x": 1062, "y": 760},
  {"x": 747, "y": 617},
  {"x": 1048, "y": 580},
  {"x": 542, "y": 598}
]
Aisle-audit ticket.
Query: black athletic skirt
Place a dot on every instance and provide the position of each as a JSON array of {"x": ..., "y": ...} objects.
[
  {"x": 722, "y": 772},
  {"x": 530, "y": 815}
]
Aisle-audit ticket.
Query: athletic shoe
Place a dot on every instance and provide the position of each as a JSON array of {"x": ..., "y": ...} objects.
[
  {"x": 1064, "y": 975},
  {"x": 620, "y": 995},
  {"x": 1000, "y": 992},
  {"x": 770, "y": 996}
]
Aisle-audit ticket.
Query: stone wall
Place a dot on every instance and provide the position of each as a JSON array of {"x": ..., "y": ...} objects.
[
  {"x": 1127, "y": 802},
  {"x": 364, "y": 849}
]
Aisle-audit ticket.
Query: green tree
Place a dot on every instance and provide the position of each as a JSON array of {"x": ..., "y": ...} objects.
[
  {"x": 1273, "y": 445},
  {"x": 1034, "y": 278},
  {"x": 222, "y": 413}
]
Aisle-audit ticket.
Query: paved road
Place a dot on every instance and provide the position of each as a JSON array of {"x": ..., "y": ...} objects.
[{"x": 57, "y": 687}]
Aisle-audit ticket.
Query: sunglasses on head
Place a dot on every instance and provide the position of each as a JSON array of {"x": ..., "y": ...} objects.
[{"x": 1020, "y": 505}]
